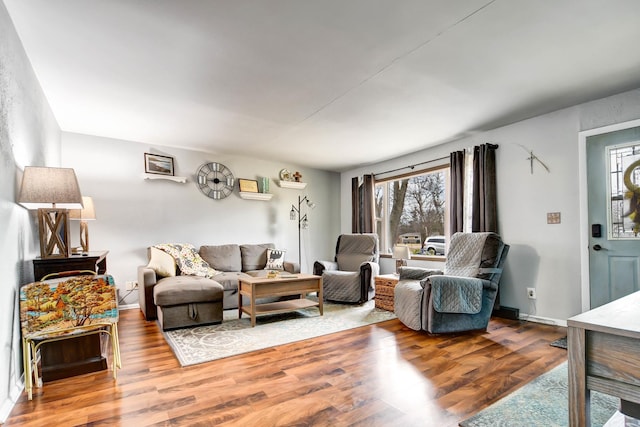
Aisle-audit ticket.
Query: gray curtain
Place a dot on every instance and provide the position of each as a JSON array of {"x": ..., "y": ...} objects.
[
  {"x": 355, "y": 204},
  {"x": 362, "y": 204},
  {"x": 484, "y": 211},
  {"x": 456, "y": 196}
]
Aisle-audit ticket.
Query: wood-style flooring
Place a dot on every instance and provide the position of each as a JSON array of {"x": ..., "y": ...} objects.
[{"x": 377, "y": 375}]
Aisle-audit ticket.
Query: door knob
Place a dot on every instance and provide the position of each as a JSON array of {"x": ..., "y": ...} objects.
[{"x": 598, "y": 248}]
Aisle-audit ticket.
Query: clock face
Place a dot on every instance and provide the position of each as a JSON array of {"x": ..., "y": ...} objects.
[{"x": 215, "y": 180}]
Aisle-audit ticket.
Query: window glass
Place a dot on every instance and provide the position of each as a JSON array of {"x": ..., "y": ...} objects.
[
  {"x": 411, "y": 209},
  {"x": 623, "y": 207}
]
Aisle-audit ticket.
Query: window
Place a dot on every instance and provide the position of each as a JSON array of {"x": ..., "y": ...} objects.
[
  {"x": 624, "y": 177},
  {"x": 412, "y": 208}
]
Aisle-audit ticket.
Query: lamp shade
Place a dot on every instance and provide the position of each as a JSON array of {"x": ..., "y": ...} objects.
[
  {"x": 401, "y": 252},
  {"x": 87, "y": 213},
  {"x": 44, "y": 187}
]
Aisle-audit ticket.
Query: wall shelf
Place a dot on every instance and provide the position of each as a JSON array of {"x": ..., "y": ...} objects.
[
  {"x": 255, "y": 196},
  {"x": 181, "y": 179},
  {"x": 293, "y": 184}
]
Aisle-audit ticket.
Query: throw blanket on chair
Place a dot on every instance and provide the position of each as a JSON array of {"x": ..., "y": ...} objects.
[
  {"x": 461, "y": 294},
  {"x": 464, "y": 254},
  {"x": 188, "y": 259},
  {"x": 456, "y": 294}
]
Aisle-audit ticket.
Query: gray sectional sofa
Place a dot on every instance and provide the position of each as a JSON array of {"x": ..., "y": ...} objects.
[{"x": 231, "y": 262}]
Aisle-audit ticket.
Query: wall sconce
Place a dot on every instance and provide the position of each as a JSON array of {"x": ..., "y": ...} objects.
[
  {"x": 87, "y": 213},
  {"x": 303, "y": 222},
  {"x": 53, "y": 191},
  {"x": 401, "y": 255}
]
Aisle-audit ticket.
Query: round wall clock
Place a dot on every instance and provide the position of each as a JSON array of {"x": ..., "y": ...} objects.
[{"x": 215, "y": 180}]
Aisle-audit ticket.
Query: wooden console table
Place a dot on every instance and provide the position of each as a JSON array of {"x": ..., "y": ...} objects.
[
  {"x": 94, "y": 261},
  {"x": 604, "y": 355},
  {"x": 75, "y": 356}
]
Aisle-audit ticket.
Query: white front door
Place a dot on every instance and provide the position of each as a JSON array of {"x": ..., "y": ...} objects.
[{"x": 613, "y": 191}]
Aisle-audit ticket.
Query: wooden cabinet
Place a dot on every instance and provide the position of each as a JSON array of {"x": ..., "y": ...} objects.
[
  {"x": 604, "y": 355},
  {"x": 75, "y": 356},
  {"x": 94, "y": 261}
]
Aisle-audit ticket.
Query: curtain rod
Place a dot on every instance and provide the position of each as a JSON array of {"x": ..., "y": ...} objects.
[{"x": 410, "y": 166}]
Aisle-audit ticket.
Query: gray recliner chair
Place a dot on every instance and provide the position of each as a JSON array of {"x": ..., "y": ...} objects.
[
  {"x": 460, "y": 298},
  {"x": 350, "y": 277}
]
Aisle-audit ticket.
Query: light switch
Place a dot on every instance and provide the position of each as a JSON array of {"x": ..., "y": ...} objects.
[{"x": 553, "y": 217}]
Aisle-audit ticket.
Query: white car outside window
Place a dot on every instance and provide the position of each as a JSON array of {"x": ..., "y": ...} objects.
[{"x": 434, "y": 245}]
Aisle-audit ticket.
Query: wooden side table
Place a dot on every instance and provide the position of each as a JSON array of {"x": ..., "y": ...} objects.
[
  {"x": 604, "y": 355},
  {"x": 94, "y": 261},
  {"x": 75, "y": 356},
  {"x": 385, "y": 285}
]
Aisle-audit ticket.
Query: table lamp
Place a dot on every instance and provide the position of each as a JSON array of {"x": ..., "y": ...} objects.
[
  {"x": 87, "y": 213},
  {"x": 53, "y": 191},
  {"x": 401, "y": 255}
]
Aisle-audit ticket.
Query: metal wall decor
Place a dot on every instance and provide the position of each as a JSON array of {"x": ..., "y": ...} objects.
[{"x": 215, "y": 180}]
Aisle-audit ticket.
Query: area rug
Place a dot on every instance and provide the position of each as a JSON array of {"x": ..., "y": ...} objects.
[
  {"x": 236, "y": 336},
  {"x": 560, "y": 343},
  {"x": 543, "y": 402}
]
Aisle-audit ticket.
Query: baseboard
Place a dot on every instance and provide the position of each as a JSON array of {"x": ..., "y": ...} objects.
[
  {"x": 506, "y": 312},
  {"x": 128, "y": 306},
  {"x": 15, "y": 391},
  {"x": 545, "y": 320}
]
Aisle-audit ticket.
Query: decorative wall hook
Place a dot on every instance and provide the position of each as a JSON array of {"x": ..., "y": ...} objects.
[{"x": 532, "y": 157}]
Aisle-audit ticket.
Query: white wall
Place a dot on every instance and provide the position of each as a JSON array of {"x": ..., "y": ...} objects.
[
  {"x": 29, "y": 136},
  {"x": 543, "y": 256},
  {"x": 133, "y": 213}
]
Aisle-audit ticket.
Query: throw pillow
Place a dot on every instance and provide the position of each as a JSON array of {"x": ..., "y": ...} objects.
[
  {"x": 188, "y": 260},
  {"x": 275, "y": 259},
  {"x": 163, "y": 263}
]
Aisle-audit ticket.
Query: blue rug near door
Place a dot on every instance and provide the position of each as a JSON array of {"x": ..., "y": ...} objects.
[{"x": 544, "y": 402}]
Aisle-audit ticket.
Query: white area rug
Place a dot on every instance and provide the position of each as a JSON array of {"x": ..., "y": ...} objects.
[{"x": 236, "y": 336}]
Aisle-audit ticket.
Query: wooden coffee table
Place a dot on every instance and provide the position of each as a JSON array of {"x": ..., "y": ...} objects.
[{"x": 260, "y": 287}]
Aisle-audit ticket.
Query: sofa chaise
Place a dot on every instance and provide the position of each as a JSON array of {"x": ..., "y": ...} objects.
[{"x": 161, "y": 283}]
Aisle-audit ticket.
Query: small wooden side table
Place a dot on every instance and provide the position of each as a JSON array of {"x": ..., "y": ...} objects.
[
  {"x": 385, "y": 285},
  {"x": 604, "y": 355},
  {"x": 94, "y": 261}
]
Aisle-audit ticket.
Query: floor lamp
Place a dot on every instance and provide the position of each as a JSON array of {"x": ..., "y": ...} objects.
[
  {"x": 87, "y": 213},
  {"x": 53, "y": 191},
  {"x": 303, "y": 222}
]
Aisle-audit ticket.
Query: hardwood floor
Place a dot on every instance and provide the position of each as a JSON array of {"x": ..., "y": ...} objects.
[{"x": 377, "y": 375}]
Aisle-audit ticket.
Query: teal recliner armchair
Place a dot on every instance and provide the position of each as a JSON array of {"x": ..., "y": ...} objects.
[{"x": 460, "y": 297}]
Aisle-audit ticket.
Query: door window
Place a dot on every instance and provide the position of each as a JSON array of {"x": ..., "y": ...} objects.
[{"x": 623, "y": 207}]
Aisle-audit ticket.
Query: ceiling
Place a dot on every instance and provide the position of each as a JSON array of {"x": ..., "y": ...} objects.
[{"x": 329, "y": 84}]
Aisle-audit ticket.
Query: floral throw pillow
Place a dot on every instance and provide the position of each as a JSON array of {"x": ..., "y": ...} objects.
[
  {"x": 188, "y": 259},
  {"x": 275, "y": 259}
]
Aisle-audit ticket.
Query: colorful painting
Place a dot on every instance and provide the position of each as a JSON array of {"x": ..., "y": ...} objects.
[{"x": 55, "y": 305}]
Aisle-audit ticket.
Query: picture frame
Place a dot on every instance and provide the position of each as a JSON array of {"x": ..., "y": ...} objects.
[
  {"x": 158, "y": 164},
  {"x": 248, "y": 185}
]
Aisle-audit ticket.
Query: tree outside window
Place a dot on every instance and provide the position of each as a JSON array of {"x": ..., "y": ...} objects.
[{"x": 410, "y": 206}]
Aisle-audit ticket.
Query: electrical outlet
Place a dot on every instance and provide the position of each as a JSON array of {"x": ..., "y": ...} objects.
[
  {"x": 531, "y": 293},
  {"x": 131, "y": 285}
]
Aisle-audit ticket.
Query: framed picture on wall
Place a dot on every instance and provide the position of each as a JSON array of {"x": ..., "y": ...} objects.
[
  {"x": 155, "y": 163},
  {"x": 248, "y": 185}
]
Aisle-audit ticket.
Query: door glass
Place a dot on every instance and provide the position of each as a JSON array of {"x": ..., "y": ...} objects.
[{"x": 623, "y": 207}]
